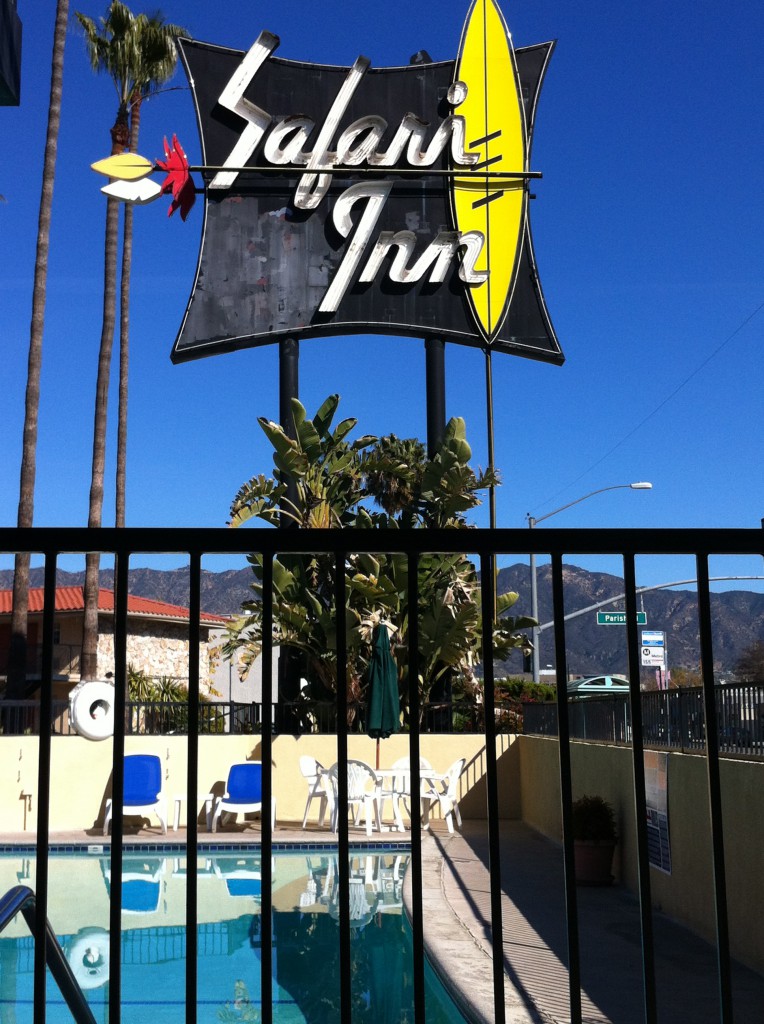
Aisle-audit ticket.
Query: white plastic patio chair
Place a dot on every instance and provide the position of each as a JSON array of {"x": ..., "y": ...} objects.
[
  {"x": 313, "y": 771},
  {"x": 444, "y": 791},
  {"x": 363, "y": 794}
]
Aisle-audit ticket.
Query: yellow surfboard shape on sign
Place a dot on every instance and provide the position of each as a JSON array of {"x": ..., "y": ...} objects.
[
  {"x": 124, "y": 166},
  {"x": 494, "y": 129}
]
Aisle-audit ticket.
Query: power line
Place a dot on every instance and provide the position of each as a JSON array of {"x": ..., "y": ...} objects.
[{"x": 660, "y": 405}]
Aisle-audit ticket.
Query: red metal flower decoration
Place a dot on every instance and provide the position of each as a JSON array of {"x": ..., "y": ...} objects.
[{"x": 178, "y": 180}]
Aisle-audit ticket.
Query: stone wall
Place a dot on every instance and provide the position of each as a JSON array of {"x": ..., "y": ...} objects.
[{"x": 158, "y": 649}]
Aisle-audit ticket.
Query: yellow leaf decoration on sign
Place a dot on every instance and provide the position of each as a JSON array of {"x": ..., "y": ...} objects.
[
  {"x": 124, "y": 166},
  {"x": 495, "y": 130}
]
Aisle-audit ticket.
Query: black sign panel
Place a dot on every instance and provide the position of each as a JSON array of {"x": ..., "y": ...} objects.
[{"x": 265, "y": 264}]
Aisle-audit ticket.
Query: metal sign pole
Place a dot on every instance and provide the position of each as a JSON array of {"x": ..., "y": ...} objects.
[
  {"x": 435, "y": 350},
  {"x": 289, "y": 388},
  {"x": 289, "y": 357}
]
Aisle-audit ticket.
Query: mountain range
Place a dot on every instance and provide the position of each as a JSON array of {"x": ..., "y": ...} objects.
[{"x": 737, "y": 615}]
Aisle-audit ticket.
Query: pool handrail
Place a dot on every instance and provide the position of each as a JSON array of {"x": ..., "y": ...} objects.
[{"x": 22, "y": 899}]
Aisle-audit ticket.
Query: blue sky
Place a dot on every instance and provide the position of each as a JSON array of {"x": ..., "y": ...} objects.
[{"x": 648, "y": 234}]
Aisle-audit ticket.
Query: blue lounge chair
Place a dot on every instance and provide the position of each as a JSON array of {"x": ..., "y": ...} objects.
[
  {"x": 242, "y": 875},
  {"x": 141, "y": 883},
  {"x": 243, "y": 793},
  {"x": 142, "y": 790}
]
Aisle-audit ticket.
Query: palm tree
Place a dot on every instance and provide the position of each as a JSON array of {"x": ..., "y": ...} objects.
[
  {"x": 393, "y": 471},
  {"x": 138, "y": 53},
  {"x": 18, "y": 652}
]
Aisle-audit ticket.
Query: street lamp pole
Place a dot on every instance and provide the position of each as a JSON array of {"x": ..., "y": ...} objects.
[{"x": 639, "y": 485}]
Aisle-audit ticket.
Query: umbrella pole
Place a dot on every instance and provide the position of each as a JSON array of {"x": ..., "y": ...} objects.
[{"x": 377, "y": 753}]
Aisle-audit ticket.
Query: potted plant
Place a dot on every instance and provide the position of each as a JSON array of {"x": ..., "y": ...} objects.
[{"x": 594, "y": 838}]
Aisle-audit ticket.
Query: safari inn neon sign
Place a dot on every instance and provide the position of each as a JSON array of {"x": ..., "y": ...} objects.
[{"x": 410, "y": 219}]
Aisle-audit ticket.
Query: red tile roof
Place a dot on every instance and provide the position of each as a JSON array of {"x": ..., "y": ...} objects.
[{"x": 70, "y": 599}]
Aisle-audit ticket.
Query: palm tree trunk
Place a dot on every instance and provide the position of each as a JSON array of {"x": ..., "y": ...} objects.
[
  {"x": 18, "y": 652},
  {"x": 119, "y": 47},
  {"x": 124, "y": 364},
  {"x": 124, "y": 333},
  {"x": 89, "y": 658}
]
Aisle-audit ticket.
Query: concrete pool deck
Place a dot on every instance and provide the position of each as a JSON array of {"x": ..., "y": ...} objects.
[
  {"x": 456, "y": 903},
  {"x": 457, "y": 915}
]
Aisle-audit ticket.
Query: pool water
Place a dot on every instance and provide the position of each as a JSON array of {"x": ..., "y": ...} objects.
[{"x": 305, "y": 956}]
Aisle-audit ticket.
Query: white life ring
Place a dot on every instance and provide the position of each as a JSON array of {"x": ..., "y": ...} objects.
[
  {"x": 89, "y": 957},
  {"x": 91, "y": 710}
]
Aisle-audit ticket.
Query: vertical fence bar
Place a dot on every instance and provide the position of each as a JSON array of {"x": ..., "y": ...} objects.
[
  {"x": 488, "y": 614},
  {"x": 566, "y": 791},
  {"x": 417, "y": 922},
  {"x": 266, "y": 755},
  {"x": 192, "y": 786},
  {"x": 640, "y": 799},
  {"x": 714, "y": 791},
  {"x": 342, "y": 794},
  {"x": 43, "y": 787},
  {"x": 121, "y": 590}
]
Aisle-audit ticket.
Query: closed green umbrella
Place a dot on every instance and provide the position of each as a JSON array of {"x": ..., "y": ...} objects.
[{"x": 384, "y": 702}]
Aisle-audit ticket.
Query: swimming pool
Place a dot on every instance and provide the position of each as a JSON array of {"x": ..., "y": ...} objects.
[{"x": 305, "y": 956}]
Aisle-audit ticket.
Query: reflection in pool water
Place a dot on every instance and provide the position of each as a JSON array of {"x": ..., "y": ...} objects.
[{"x": 305, "y": 954}]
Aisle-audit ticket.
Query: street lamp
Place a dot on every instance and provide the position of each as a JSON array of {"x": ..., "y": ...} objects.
[{"x": 640, "y": 485}]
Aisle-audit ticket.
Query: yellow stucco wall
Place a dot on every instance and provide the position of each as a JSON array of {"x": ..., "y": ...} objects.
[
  {"x": 80, "y": 779},
  {"x": 687, "y": 894}
]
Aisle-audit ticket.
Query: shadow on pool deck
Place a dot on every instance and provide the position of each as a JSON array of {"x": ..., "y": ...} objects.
[{"x": 457, "y": 932}]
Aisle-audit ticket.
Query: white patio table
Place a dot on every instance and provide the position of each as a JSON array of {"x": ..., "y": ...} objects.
[{"x": 396, "y": 787}]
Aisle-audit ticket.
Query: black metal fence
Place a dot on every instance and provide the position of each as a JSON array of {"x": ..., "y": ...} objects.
[
  {"x": 671, "y": 719},
  {"x": 296, "y": 717},
  {"x": 483, "y": 546}
]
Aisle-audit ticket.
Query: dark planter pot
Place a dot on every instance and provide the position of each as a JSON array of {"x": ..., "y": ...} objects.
[{"x": 593, "y": 861}]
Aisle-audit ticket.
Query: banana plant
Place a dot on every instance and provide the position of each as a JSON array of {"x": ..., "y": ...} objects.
[{"x": 369, "y": 483}]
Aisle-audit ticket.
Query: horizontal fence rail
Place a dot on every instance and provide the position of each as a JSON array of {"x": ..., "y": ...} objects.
[
  {"x": 210, "y": 541},
  {"x": 483, "y": 547}
]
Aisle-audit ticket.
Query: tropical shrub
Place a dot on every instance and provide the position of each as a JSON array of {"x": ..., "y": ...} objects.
[
  {"x": 369, "y": 483},
  {"x": 165, "y": 705},
  {"x": 524, "y": 690}
]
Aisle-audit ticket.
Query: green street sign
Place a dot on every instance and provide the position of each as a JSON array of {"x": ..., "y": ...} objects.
[{"x": 619, "y": 618}]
